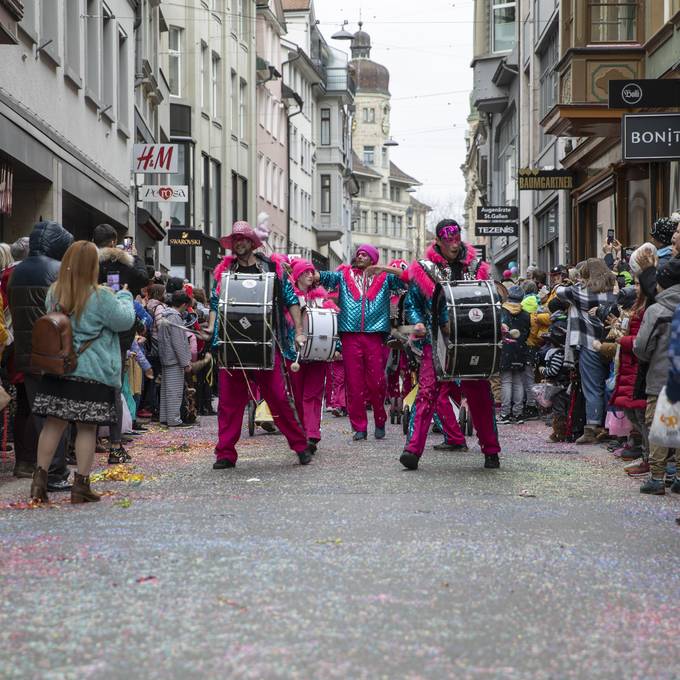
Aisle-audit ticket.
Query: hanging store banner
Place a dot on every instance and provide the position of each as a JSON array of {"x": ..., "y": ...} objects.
[
  {"x": 497, "y": 213},
  {"x": 6, "y": 182},
  {"x": 533, "y": 179},
  {"x": 644, "y": 94},
  {"x": 160, "y": 193},
  {"x": 155, "y": 158},
  {"x": 651, "y": 136},
  {"x": 497, "y": 229},
  {"x": 186, "y": 238},
  {"x": 481, "y": 252}
]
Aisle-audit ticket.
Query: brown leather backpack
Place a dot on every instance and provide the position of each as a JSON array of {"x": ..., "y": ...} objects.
[{"x": 52, "y": 345}]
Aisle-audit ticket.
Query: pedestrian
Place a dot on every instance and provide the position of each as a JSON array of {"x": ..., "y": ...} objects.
[
  {"x": 554, "y": 370},
  {"x": 119, "y": 267},
  {"x": 652, "y": 346},
  {"x": 86, "y": 396},
  {"x": 449, "y": 258},
  {"x": 596, "y": 288},
  {"x": 514, "y": 356},
  {"x": 364, "y": 296},
  {"x": 26, "y": 291},
  {"x": 175, "y": 357}
]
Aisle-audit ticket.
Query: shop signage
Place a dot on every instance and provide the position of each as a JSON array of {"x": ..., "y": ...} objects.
[
  {"x": 639, "y": 94},
  {"x": 651, "y": 136},
  {"x": 163, "y": 193},
  {"x": 6, "y": 182},
  {"x": 533, "y": 179},
  {"x": 158, "y": 158},
  {"x": 185, "y": 237},
  {"x": 497, "y": 229},
  {"x": 481, "y": 252},
  {"x": 498, "y": 213}
]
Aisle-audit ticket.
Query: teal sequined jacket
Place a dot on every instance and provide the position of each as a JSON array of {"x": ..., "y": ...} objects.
[{"x": 364, "y": 303}]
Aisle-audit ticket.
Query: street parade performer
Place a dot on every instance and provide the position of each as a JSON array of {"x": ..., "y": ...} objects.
[
  {"x": 234, "y": 385},
  {"x": 364, "y": 322},
  {"x": 309, "y": 378},
  {"x": 448, "y": 259}
]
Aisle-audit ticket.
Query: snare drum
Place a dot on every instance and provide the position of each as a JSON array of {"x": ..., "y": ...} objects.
[
  {"x": 246, "y": 317},
  {"x": 466, "y": 330},
  {"x": 321, "y": 328}
]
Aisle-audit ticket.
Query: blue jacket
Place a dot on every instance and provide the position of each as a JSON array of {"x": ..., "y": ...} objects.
[
  {"x": 107, "y": 313},
  {"x": 368, "y": 309},
  {"x": 673, "y": 384}
]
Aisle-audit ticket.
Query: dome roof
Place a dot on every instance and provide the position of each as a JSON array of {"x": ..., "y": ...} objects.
[
  {"x": 370, "y": 76},
  {"x": 361, "y": 39}
]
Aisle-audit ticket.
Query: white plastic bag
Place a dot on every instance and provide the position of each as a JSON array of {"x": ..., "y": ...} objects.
[
  {"x": 665, "y": 430},
  {"x": 545, "y": 392},
  {"x": 633, "y": 262}
]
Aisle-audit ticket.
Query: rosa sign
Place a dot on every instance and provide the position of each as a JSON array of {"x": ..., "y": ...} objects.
[{"x": 163, "y": 193}]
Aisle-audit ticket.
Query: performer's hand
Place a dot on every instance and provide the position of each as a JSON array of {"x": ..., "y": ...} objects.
[
  {"x": 373, "y": 269},
  {"x": 187, "y": 369},
  {"x": 419, "y": 330},
  {"x": 149, "y": 373},
  {"x": 300, "y": 339}
]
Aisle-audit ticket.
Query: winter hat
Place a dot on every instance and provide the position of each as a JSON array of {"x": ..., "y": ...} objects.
[
  {"x": 515, "y": 294},
  {"x": 669, "y": 274},
  {"x": 369, "y": 250},
  {"x": 300, "y": 267},
  {"x": 663, "y": 230},
  {"x": 507, "y": 274},
  {"x": 627, "y": 297},
  {"x": 530, "y": 304}
]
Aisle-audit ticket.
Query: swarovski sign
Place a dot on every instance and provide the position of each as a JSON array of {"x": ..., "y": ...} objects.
[{"x": 651, "y": 136}]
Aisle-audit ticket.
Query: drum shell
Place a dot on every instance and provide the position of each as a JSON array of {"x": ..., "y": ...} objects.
[
  {"x": 470, "y": 313},
  {"x": 320, "y": 325},
  {"x": 247, "y": 320}
]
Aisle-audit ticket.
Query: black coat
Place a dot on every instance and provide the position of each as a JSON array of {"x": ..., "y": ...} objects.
[
  {"x": 29, "y": 283},
  {"x": 514, "y": 355},
  {"x": 130, "y": 269}
]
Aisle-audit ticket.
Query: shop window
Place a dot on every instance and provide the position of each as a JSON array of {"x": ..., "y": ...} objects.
[
  {"x": 325, "y": 194},
  {"x": 175, "y": 61},
  {"x": 612, "y": 21},
  {"x": 638, "y": 212},
  {"x": 548, "y": 79},
  {"x": 548, "y": 238}
]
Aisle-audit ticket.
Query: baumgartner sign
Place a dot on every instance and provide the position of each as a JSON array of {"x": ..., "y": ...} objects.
[
  {"x": 163, "y": 193},
  {"x": 651, "y": 136}
]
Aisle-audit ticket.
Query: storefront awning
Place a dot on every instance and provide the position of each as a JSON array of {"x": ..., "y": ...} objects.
[
  {"x": 150, "y": 225},
  {"x": 583, "y": 120}
]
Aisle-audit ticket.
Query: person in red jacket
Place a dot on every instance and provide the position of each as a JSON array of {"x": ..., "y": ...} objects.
[{"x": 624, "y": 394}]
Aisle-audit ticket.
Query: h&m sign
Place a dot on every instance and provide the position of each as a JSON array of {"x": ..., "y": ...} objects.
[
  {"x": 155, "y": 158},
  {"x": 651, "y": 136}
]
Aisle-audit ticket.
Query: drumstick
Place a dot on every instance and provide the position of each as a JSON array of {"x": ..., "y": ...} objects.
[{"x": 295, "y": 366}]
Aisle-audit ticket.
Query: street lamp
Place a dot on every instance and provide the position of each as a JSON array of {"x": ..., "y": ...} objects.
[
  {"x": 343, "y": 34},
  {"x": 391, "y": 142}
]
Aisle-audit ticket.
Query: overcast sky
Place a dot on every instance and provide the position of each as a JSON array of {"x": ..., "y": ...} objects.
[{"x": 427, "y": 47}]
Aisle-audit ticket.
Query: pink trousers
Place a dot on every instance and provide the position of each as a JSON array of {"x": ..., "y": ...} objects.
[
  {"x": 434, "y": 395},
  {"x": 399, "y": 382},
  {"x": 308, "y": 385},
  {"x": 235, "y": 389},
  {"x": 335, "y": 385},
  {"x": 363, "y": 356}
]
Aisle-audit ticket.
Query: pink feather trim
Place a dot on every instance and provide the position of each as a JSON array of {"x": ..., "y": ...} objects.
[{"x": 373, "y": 289}]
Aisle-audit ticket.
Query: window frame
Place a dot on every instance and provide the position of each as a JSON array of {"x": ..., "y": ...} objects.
[
  {"x": 494, "y": 6},
  {"x": 326, "y": 194},
  {"x": 175, "y": 55},
  {"x": 325, "y": 128}
]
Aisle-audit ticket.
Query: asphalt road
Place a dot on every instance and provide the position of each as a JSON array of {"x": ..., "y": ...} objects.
[{"x": 553, "y": 566}]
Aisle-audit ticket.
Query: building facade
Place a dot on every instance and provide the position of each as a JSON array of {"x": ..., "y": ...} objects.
[
  {"x": 272, "y": 132},
  {"x": 381, "y": 207},
  {"x": 211, "y": 60},
  {"x": 67, "y": 116}
]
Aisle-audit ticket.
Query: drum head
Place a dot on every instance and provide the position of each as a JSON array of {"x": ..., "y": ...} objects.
[
  {"x": 320, "y": 325},
  {"x": 466, "y": 330}
]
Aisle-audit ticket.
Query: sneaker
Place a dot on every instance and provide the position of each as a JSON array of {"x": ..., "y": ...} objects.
[
  {"x": 409, "y": 460},
  {"x": 359, "y": 437},
  {"x": 505, "y": 419},
  {"x": 675, "y": 486},
  {"x": 637, "y": 468},
  {"x": 517, "y": 420},
  {"x": 631, "y": 454},
  {"x": 669, "y": 480},
  {"x": 224, "y": 464},
  {"x": 492, "y": 461},
  {"x": 654, "y": 487},
  {"x": 445, "y": 446},
  {"x": 118, "y": 456},
  {"x": 59, "y": 485},
  {"x": 380, "y": 432}
]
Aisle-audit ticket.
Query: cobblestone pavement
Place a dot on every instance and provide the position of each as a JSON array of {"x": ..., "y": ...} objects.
[{"x": 553, "y": 566}]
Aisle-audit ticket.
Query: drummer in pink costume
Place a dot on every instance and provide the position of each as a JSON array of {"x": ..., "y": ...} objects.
[
  {"x": 236, "y": 386},
  {"x": 308, "y": 381},
  {"x": 448, "y": 259},
  {"x": 364, "y": 323}
]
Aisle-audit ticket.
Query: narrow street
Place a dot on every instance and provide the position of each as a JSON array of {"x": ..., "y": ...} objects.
[{"x": 552, "y": 567}]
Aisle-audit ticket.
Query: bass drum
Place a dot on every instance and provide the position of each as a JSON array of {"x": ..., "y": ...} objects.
[
  {"x": 247, "y": 331},
  {"x": 466, "y": 330},
  {"x": 320, "y": 325}
]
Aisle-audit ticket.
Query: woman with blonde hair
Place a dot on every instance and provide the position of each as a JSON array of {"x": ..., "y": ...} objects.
[
  {"x": 595, "y": 288},
  {"x": 87, "y": 395}
]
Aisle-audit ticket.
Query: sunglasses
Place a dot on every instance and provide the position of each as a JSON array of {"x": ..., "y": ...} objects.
[{"x": 450, "y": 233}]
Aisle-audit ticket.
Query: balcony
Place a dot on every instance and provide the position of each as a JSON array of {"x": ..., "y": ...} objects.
[
  {"x": 492, "y": 78},
  {"x": 601, "y": 42},
  {"x": 326, "y": 234}
]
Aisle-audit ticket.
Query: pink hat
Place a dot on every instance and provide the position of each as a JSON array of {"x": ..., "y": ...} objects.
[
  {"x": 244, "y": 230},
  {"x": 300, "y": 267},
  {"x": 369, "y": 250}
]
